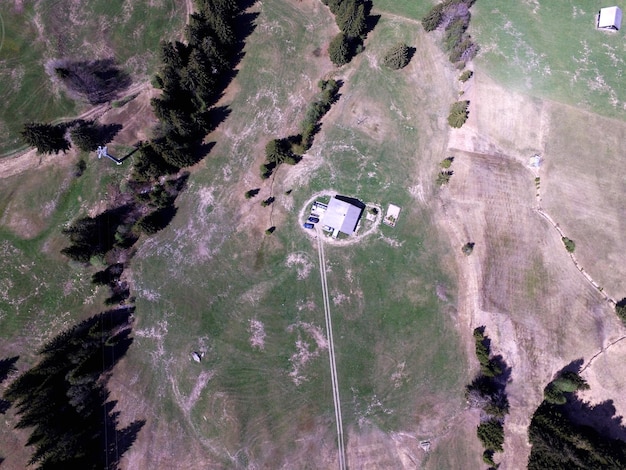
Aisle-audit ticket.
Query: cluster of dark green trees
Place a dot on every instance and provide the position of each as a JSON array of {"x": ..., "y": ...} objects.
[
  {"x": 147, "y": 209},
  {"x": 454, "y": 17},
  {"x": 352, "y": 18},
  {"x": 192, "y": 79},
  {"x": 53, "y": 138},
  {"x": 63, "y": 399},
  {"x": 562, "y": 433},
  {"x": 620, "y": 309},
  {"x": 487, "y": 392},
  {"x": 290, "y": 149}
]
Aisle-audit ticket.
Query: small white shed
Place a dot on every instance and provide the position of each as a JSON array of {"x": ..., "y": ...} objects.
[{"x": 610, "y": 18}]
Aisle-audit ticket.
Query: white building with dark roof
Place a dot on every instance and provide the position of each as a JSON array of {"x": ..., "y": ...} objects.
[
  {"x": 343, "y": 214},
  {"x": 610, "y": 18}
]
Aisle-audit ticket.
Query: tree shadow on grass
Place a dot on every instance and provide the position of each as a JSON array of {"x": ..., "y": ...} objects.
[
  {"x": 411, "y": 54},
  {"x": 7, "y": 367}
]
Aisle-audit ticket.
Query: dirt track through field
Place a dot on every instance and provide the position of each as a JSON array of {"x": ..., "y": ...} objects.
[{"x": 331, "y": 352}]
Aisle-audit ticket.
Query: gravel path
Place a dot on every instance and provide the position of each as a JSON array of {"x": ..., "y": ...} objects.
[{"x": 331, "y": 352}]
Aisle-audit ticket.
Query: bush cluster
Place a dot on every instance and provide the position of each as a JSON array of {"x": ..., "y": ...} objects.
[
  {"x": 97, "y": 81},
  {"x": 487, "y": 393},
  {"x": 454, "y": 17},
  {"x": 290, "y": 149}
]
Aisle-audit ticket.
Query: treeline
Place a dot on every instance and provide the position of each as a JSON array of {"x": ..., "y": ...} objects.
[
  {"x": 290, "y": 149},
  {"x": 192, "y": 79},
  {"x": 352, "y": 18},
  {"x": 563, "y": 431},
  {"x": 63, "y": 399},
  {"x": 487, "y": 392},
  {"x": 55, "y": 138},
  {"x": 148, "y": 208},
  {"x": 454, "y": 17}
]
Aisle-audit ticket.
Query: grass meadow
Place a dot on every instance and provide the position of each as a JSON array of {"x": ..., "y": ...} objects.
[
  {"x": 41, "y": 292},
  {"x": 39, "y": 31},
  {"x": 213, "y": 282},
  {"x": 406, "y": 8},
  {"x": 213, "y": 278},
  {"x": 552, "y": 50}
]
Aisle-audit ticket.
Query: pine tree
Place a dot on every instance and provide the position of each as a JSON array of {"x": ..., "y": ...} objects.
[{"x": 46, "y": 138}]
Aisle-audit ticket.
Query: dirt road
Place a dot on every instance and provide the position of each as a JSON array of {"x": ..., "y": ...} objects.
[{"x": 331, "y": 351}]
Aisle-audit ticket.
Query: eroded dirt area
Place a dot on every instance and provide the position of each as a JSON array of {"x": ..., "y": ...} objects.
[{"x": 519, "y": 282}]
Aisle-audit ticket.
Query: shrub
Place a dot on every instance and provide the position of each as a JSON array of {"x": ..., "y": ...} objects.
[
  {"x": 251, "y": 193},
  {"x": 444, "y": 177},
  {"x": 46, "y": 138},
  {"x": 570, "y": 246},
  {"x": 434, "y": 17},
  {"x": 124, "y": 101},
  {"x": 270, "y": 230},
  {"x": 468, "y": 248},
  {"x": 447, "y": 162},
  {"x": 491, "y": 434},
  {"x": 620, "y": 309},
  {"x": 465, "y": 76},
  {"x": 458, "y": 114},
  {"x": 340, "y": 50},
  {"x": 79, "y": 169},
  {"x": 267, "y": 201},
  {"x": 488, "y": 457},
  {"x": 397, "y": 57}
]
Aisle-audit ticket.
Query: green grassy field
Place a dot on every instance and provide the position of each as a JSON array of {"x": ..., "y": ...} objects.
[
  {"x": 213, "y": 279},
  {"x": 43, "y": 293},
  {"x": 552, "y": 50},
  {"x": 40, "y": 31},
  {"x": 205, "y": 281},
  {"x": 412, "y": 9}
]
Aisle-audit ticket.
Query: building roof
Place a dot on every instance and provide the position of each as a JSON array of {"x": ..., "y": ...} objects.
[
  {"x": 343, "y": 214},
  {"x": 610, "y": 18}
]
